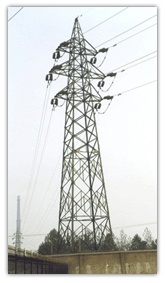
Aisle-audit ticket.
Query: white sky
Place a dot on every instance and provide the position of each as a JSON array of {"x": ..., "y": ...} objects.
[{"x": 127, "y": 131}]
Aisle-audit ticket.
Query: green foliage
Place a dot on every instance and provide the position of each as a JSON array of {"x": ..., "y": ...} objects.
[
  {"x": 154, "y": 244},
  {"x": 124, "y": 242},
  {"x": 108, "y": 244},
  {"x": 86, "y": 244},
  {"x": 44, "y": 248},
  {"x": 138, "y": 244},
  {"x": 148, "y": 238},
  {"x": 50, "y": 244}
]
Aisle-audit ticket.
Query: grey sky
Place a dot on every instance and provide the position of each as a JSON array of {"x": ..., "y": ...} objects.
[{"x": 127, "y": 131}]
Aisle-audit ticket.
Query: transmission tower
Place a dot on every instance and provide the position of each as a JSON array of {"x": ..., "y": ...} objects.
[
  {"x": 17, "y": 235},
  {"x": 83, "y": 202}
]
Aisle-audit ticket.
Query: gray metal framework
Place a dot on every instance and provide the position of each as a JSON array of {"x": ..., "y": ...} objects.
[
  {"x": 18, "y": 234},
  {"x": 83, "y": 201}
]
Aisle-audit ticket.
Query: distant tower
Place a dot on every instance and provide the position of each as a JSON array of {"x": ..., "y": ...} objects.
[{"x": 18, "y": 226}]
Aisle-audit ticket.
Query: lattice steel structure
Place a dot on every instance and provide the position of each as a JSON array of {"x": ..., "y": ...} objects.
[
  {"x": 83, "y": 201},
  {"x": 18, "y": 234}
]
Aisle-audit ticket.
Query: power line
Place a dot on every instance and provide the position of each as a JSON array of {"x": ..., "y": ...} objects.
[
  {"x": 85, "y": 12},
  {"x": 106, "y": 20},
  {"x": 134, "y": 61},
  {"x": 130, "y": 226},
  {"x": 135, "y": 87},
  {"x": 15, "y": 14},
  {"x": 127, "y": 69},
  {"x": 126, "y": 31},
  {"x": 131, "y": 36},
  {"x": 37, "y": 143},
  {"x": 56, "y": 194},
  {"x": 39, "y": 165},
  {"x": 123, "y": 93},
  {"x": 49, "y": 209},
  {"x": 46, "y": 191},
  {"x": 137, "y": 64}
]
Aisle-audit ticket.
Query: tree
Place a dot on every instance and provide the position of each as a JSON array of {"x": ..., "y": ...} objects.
[
  {"x": 50, "y": 244},
  {"x": 109, "y": 243},
  {"x": 138, "y": 244},
  {"x": 154, "y": 244},
  {"x": 124, "y": 242},
  {"x": 148, "y": 238},
  {"x": 87, "y": 243},
  {"x": 151, "y": 243}
]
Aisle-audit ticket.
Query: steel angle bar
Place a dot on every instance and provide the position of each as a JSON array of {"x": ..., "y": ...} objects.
[
  {"x": 99, "y": 204},
  {"x": 103, "y": 232},
  {"x": 94, "y": 49}
]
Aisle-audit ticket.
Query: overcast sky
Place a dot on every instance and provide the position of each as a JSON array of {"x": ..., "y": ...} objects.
[{"x": 127, "y": 131}]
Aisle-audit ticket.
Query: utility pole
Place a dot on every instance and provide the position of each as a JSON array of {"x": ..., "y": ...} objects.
[{"x": 83, "y": 207}]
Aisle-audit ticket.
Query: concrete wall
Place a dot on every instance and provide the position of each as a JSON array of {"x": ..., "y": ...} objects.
[{"x": 129, "y": 262}]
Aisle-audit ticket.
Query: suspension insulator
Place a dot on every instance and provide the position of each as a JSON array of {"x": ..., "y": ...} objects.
[
  {"x": 97, "y": 106},
  {"x": 56, "y": 55},
  {"x": 56, "y": 67},
  {"x": 93, "y": 60},
  {"x": 101, "y": 84},
  {"x": 62, "y": 92},
  {"x": 49, "y": 77},
  {"x": 54, "y": 101},
  {"x": 103, "y": 50},
  {"x": 111, "y": 74},
  {"x": 64, "y": 44},
  {"x": 108, "y": 97}
]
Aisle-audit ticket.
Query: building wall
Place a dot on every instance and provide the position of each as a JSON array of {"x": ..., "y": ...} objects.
[{"x": 129, "y": 262}]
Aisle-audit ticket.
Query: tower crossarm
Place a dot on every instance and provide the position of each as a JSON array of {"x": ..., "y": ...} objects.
[
  {"x": 66, "y": 94},
  {"x": 67, "y": 46},
  {"x": 64, "y": 68}
]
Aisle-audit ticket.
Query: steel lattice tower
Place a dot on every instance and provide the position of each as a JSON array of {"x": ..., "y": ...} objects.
[
  {"x": 17, "y": 235},
  {"x": 83, "y": 201}
]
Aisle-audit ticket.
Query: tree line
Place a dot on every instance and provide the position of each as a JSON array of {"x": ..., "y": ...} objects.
[{"x": 51, "y": 244}]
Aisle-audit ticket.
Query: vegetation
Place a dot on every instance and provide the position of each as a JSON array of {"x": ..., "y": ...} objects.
[{"x": 109, "y": 243}]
